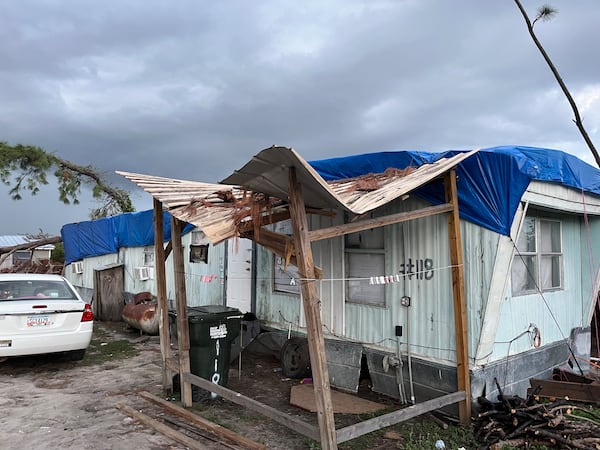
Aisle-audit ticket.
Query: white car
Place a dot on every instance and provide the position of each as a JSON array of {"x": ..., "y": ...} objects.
[{"x": 42, "y": 314}]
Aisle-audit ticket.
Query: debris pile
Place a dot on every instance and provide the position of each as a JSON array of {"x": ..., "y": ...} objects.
[{"x": 521, "y": 423}]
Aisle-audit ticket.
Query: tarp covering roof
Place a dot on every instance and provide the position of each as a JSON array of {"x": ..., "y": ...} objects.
[
  {"x": 107, "y": 235},
  {"x": 490, "y": 183},
  {"x": 215, "y": 207},
  {"x": 268, "y": 173}
]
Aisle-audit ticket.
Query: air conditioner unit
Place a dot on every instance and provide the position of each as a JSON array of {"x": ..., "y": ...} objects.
[
  {"x": 78, "y": 267},
  {"x": 141, "y": 273}
]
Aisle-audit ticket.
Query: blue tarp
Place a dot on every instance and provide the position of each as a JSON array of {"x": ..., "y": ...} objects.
[
  {"x": 490, "y": 183},
  {"x": 107, "y": 235}
]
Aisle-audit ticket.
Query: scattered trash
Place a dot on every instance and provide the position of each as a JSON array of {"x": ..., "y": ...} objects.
[
  {"x": 306, "y": 381},
  {"x": 440, "y": 445}
]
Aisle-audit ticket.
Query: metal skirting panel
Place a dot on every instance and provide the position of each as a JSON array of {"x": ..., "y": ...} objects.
[
  {"x": 343, "y": 358},
  {"x": 514, "y": 372},
  {"x": 431, "y": 380},
  {"x": 343, "y": 363}
]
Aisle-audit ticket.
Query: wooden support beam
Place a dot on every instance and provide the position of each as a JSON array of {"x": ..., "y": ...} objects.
[
  {"x": 353, "y": 227},
  {"x": 280, "y": 244},
  {"x": 161, "y": 294},
  {"x": 460, "y": 304},
  {"x": 183, "y": 331},
  {"x": 312, "y": 312},
  {"x": 288, "y": 420},
  {"x": 173, "y": 364},
  {"x": 280, "y": 216},
  {"x": 401, "y": 415}
]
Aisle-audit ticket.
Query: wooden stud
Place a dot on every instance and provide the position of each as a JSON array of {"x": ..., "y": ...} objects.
[
  {"x": 394, "y": 417},
  {"x": 183, "y": 331},
  {"x": 288, "y": 420},
  {"x": 460, "y": 307},
  {"x": 353, "y": 227},
  {"x": 161, "y": 294},
  {"x": 311, "y": 304}
]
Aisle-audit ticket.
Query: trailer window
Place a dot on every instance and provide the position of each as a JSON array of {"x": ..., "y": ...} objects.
[
  {"x": 538, "y": 261},
  {"x": 365, "y": 258}
]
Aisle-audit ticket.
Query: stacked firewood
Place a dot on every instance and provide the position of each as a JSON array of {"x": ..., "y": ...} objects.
[{"x": 520, "y": 423}]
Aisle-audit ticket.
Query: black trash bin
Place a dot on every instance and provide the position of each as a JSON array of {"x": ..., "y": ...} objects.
[{"x": 212, "y": 329}]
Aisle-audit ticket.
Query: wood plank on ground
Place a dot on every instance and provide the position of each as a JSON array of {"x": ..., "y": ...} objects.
[
  {"x": 162, "y": 428},
  {"x": 303, "y": 396},
  {"x": 203, "y": 423}
]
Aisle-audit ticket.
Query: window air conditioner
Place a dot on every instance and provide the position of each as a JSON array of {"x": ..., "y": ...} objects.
[
  {"x": 78, "y": 267},
  {"x": 141, "y": 273}
]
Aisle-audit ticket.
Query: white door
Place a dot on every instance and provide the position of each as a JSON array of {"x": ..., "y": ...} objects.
[{"x": 239, "y": 274}]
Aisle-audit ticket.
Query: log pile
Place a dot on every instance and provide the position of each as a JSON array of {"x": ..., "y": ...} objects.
[{"x": 520, "y": 423}]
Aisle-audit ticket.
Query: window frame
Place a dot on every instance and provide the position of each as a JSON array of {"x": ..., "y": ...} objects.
[
  {"x": 539, "y": 255},
  {"x": 354, "y": 246}
]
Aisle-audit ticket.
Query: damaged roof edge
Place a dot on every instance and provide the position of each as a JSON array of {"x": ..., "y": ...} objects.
[{"x": 268, "y": 173}]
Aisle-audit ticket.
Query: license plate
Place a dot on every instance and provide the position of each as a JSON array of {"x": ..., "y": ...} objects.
[
  {"x": 6, "y": 343},
  {"x": 39, "y": 321}
]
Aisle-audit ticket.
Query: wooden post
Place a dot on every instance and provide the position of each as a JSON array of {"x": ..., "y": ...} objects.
[
  {"x": 161, "y": 293},
  {"x": 460, "y": 307},
  {"x": 183, "y": 331},
  {"x": 314, "y": 328}
]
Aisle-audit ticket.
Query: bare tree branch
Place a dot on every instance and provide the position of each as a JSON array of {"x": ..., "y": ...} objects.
[{"x": 545, "y": 13}]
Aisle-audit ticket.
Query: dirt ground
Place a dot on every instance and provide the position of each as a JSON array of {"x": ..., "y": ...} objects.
[{"x": 46, "y": 402}]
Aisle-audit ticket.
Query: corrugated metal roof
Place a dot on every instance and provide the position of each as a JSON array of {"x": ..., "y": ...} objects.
[{"x": 205, "y": 205}]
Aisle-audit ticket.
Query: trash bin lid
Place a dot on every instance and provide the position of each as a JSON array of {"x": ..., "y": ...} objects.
[{"x": 211, "y": 312}]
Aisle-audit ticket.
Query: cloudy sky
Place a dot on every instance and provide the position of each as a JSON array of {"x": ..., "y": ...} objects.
[{"x": 193, "y": 89}]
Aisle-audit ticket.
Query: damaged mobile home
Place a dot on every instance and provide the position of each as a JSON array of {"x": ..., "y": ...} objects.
[
  {"x": 120, "y": 249},
  {"x": 434, "y": 303}
]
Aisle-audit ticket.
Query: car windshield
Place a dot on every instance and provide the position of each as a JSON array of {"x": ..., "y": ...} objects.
[{"x": 28, "y": 289}]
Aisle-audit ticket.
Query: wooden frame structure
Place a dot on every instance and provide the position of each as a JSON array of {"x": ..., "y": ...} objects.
[{"x": 326, "y": 433}]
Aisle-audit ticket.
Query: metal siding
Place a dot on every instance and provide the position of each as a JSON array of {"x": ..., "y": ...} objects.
[
  {"x": 274, "y": 307},
  {"x": 590, "y": 227},
  {"x": 331, "y": 286},
  {"x": 480, "y": 247},
  {"x": 429, "y": 321},
  {"x": 205, "y": 291},
  {"x": 554, "y": 313},
  {"x": 198, "y": 292},
  {"x": 431, "y": 327},
  {"x": 428, "y": 324}
]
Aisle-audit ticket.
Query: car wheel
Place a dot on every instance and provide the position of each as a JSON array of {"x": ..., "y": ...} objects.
[
  {"x": 76, "y": 355},
  {"x": 295, "y": 358}
]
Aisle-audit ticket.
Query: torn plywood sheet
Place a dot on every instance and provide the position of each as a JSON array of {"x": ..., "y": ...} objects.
[{"x": 303, "y": 396}]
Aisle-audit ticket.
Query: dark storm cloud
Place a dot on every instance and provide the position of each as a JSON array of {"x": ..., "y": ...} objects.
[{"x": 193, "y": 89}]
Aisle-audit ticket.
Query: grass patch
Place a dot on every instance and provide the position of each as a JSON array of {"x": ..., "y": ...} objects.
[{"x": 104, "y": 348}]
